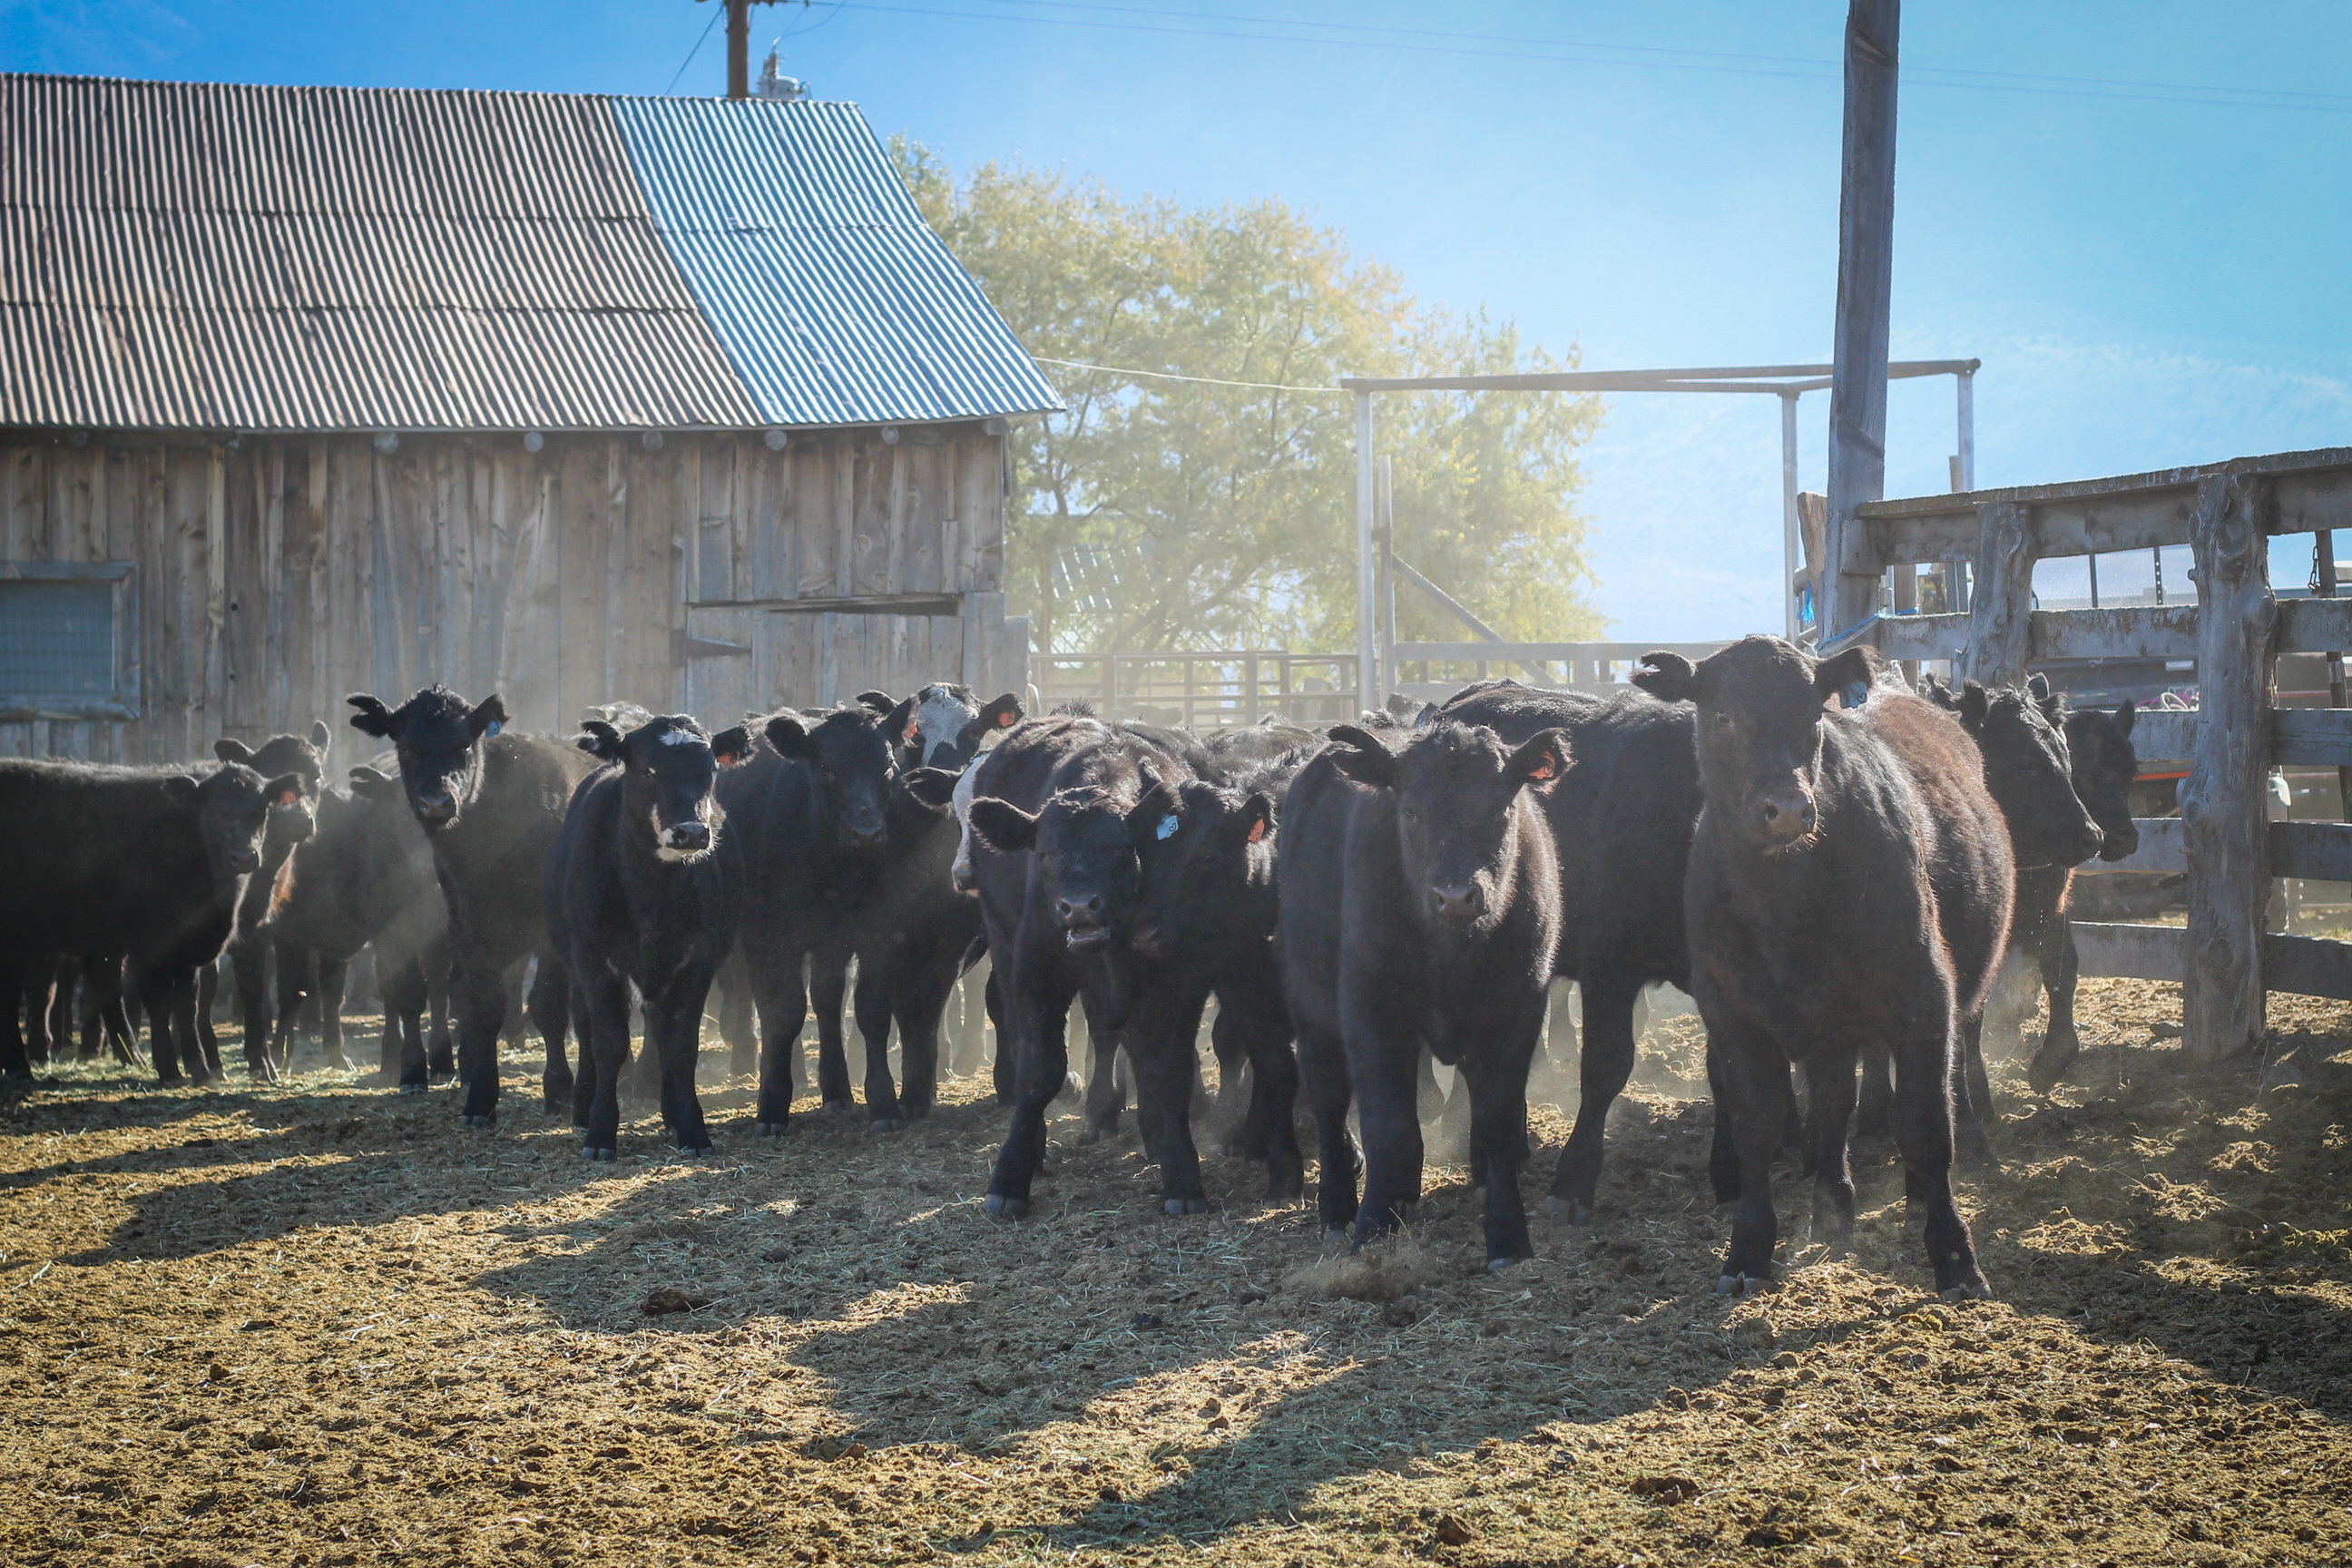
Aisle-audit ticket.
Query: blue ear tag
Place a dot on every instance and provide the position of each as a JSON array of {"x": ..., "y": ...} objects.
[
  {"x": 1855, "y": 694},
  {"x": 496, "y": 725},
  {"x": 1167, "y": 828}
]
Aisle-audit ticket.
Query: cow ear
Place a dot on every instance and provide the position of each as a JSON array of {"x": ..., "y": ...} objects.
[
  {"x": 320, "y": 736},
  {"x": 876, "y": 701},
  {"x": 2125, "y": 714},
  {"x": 898, "y": 723},
  {"x": 732, "y": 747},
  {"x": 1668, "y": 677},
  {"x": 230, "y": 751},
  {"x": 2038, "y": 686},
  {"x": 788, "y": 735},
  {"x": 1154, "y": 818},
  {"x": 933, "y": 787},
  {"x": 373, "y": 718},
  {"x": 1932, "y": 688},
  {"x": 1975, "y": 706},
  {"x": 1847, "y": 676},
  {"x": 369, "y": 784},
  {"x": 1258, "y": 812},
  {"x": 2052, "y": 704},
  {"x": 1002, "y": 825},
  {"x": 1539, "y": 759},
  {"x": 599, "y": 741},
  {"x": 1002, "y": 713},
  {"x": 285, "y": 789},
  {"x": 1359, "y": 754},
  {"x": 488, "y": 716},
  {"x": 181, "y": 790}
]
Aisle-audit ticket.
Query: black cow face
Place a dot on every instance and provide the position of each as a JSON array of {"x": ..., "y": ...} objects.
[
  {"x": 2028, "y": 768},
  {"x": 1453, "y": 787},
  {"x": 2105, "y": 762},
  {"x": 1760, "y": 729},
  {"x": 1086, "y": 858},
  {"x": 1199, "y": 851},
  {"x": 233, "y": 808},
  {"x": 853, "y": 757},
  {"x": 667, "y": 766},
  {"x": 439, "y": 742},
  {"x": 292, "y": 822}
]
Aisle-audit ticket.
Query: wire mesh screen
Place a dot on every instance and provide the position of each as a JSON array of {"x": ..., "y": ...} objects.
[{"x": 57, "y": 641}]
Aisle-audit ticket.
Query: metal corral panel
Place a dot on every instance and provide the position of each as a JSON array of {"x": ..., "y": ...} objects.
[
  {"x": 194, "y": 256},
  {"x": 837, "y": 302}
]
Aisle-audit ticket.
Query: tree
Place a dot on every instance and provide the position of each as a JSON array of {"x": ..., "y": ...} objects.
[{"x": 1167, "y": 513}]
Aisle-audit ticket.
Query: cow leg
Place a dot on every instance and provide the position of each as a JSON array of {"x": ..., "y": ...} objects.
[
  {"x": 286, "y": 986},
  {"x": 35, "y": 977},
  {"x": 1106, "y": 1083},
  {"x": 1250, "y": 995},
  {"x": 1829, "y": 1084},
  {"x": 1164, "y": 1059},
  {"x": 199, "y": 1008},
  {"x": 1751, "y": 1081},
  {"x": 674, "y": 1034},
  {"x": 65, "y": 977},
  {"x": 1038, "y": 1011},
  {"x": 601, "y": 1001},
  {"x": 1874, "y": 1108},
  {"x": 403, "y": 989},
  {"x": 1603, "y": 1066},
  {"x": 739, "y": 1024},
  {"x": 1382, "y": 1064},
  {"x": 95, "y": 991},
  {"x": 783, "y": 1001},
  {"x": 1973, "y": 1112},
  {"x": 549, "y": 1010},
  {"x": 828, "y": 981},
  {"x": 872, "y": 1007},
  {"x": 155, "y": 996},
  {"x": 481, "y": 1019},
  {"x": 328, "y": 992},
  {"x": 1925, "y": 1062},
  {"x": 13, "y": 1060},
  {"x": 1005, "y": 1065},
  {"x": 249, "y": 968},
  {"x": 1323, "y": 1078},
  {"x": 2061, "y": 967},
  {"x": 924, "y": 993},
  {"x": 1230, "y": 1115},
  {"x": 1429, "y": 1095},
  {"x": 1496, "y": 1081}
]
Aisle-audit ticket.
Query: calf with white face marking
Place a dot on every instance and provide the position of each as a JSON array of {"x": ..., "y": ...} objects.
[
  {"x": 491, "y": 801},
  {"x": 644, "y": 886},
  {"x": 1849, "y": 883},
  {"x": 1420, "y": 907}
]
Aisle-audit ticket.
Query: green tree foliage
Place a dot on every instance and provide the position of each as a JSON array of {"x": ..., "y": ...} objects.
[{"x": 1167, "y": 513}]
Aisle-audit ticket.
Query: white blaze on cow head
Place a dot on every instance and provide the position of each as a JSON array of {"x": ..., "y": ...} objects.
[{"x": 668, "y": 765}]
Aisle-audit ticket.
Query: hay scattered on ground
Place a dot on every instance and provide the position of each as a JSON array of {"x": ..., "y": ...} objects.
[
  {"x": 321, "y": 1324},
  {"x": 1384, "y": 1270}
]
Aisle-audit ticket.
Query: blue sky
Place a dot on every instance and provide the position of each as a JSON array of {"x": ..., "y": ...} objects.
[{"x": 2135, "y": 215}]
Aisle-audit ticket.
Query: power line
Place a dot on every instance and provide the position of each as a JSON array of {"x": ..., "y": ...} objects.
[
  {"x": 716, "y": 12},
  {"x": 1202, "y": 380},
  {"x": 1364, "y": 36}
]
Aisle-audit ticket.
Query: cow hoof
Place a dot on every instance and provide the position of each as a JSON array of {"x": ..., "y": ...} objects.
[
  {"x": 1337, "y": 1233},
  {"x": 1185, "y": 1205},
  {"x": 887, "y": 1124},
  {"x": 1072, "y": 1089},
  {"x": 597, "y": 1153},
  {"x": 478, "y": 1120},
  {"x": 412, "y": 1089},
  {"x": 1569, "y": 1211},
  {"x": 837, "y": 1105},
  {"x": 1975, "y": 1289},
  {"x": 768, "y": 1129},
  {"x": 1497, "y": 1265},
  {"x": 1742, "y": 1285},
  {"x": 1004, "y": 1207},
  {"x": 693, "y": 1151}
]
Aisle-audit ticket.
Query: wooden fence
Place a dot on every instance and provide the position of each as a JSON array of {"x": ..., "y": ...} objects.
[
  {"x": 2224, "y": 839},
  {"x": 1235, "y": 686}
]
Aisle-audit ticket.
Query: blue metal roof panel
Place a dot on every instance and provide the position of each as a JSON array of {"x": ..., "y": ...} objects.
[{"x": 834, "y": 301}]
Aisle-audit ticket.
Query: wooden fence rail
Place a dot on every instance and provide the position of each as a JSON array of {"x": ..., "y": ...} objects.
[{"x": 2224, "y": 839}]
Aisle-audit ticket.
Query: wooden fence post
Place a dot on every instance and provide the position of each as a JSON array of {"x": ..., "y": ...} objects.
[
  {"x": 2224, "y": 807},
  {"x": 2001, "y": 607}
]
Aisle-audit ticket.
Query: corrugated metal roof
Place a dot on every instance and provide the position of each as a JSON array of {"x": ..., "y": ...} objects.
[
  {"x": 193, "y": 256},
  {"x": 834, "y": 300}
]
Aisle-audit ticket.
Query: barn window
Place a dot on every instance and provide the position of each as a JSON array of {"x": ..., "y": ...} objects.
[{"x": 68, "y": 640}]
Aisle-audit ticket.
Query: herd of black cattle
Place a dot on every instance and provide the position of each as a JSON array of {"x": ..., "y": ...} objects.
[{"x": 1832, "y": 865}]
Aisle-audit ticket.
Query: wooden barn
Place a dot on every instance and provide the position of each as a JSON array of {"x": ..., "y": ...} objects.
[{"x": 311, "y": 391}]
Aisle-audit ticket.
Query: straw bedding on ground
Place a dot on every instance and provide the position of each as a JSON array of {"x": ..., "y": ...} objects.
[{"x": 321, "y": 1324}]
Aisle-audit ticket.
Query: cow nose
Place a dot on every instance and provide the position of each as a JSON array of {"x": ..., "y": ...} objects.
[
  {"x": 1460, "y": 902},
  {"x": 435, "y": 807},
  {"x": 688, "y": 835},
  {"x": 865, "y": 835},
  {"x": 1787, "y": 817},
  {"x": 2120, "y": 846},
  {"x": 1085, "y": 908},
  {"x": 242, "y": 859}
]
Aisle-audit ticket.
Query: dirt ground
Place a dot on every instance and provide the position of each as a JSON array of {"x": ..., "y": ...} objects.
[{"x": 320, "y": 1323}]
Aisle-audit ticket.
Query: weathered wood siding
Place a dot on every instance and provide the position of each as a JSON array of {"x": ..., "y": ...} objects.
[{"x": 276, "y": 576}]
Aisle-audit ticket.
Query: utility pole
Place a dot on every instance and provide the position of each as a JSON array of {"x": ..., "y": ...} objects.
[
  {"x": 739, "y": 49},
  {"x": 1865, "y": 298}
]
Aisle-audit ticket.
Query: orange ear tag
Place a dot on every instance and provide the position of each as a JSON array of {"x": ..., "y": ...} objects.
[{"x": 1257, "y": 831}]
